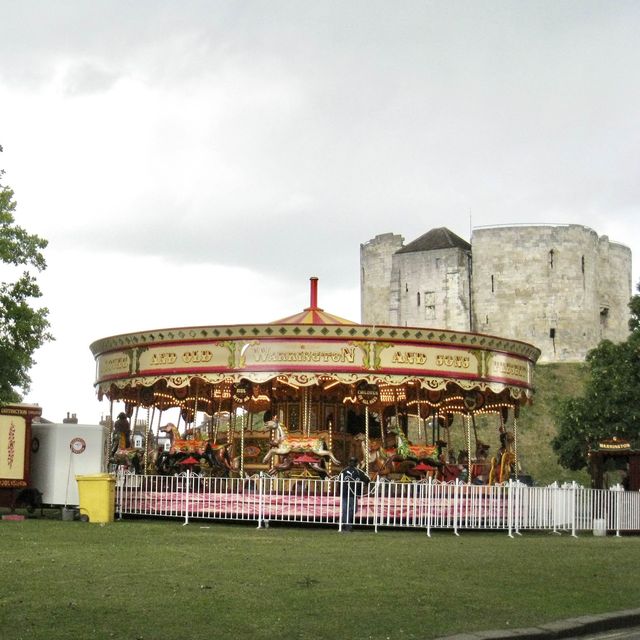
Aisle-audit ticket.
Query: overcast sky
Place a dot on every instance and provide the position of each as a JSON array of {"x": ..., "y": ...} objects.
[{"x": 196, "y": 162}]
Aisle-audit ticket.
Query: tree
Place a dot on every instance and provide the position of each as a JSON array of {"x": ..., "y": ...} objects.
[
  {"x": 23, "y": 329},
  {"x": 610, "y": 405}
]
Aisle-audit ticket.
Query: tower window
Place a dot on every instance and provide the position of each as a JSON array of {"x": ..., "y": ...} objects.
[
  {"x": 551, "y": 257},
  {"x": 429, "y": 305},
  {"x": 492, "y": 285},
  {"x": 418, "y": 298}
]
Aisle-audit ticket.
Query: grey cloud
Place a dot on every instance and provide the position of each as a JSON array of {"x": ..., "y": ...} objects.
[{"x": 86, "y": 79}]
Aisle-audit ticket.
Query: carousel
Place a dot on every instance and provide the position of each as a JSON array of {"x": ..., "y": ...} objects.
[{"x": 300, "y": 396}]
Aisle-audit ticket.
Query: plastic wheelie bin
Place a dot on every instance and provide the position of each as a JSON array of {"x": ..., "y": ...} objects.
[{"x": 97, "y": 497}]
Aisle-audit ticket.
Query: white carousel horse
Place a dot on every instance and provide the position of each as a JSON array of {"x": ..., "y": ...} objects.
[{"x": 285, "y": 444}]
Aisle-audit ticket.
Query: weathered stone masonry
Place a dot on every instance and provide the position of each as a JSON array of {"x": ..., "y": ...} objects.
[{"x": 561, "y": 288}]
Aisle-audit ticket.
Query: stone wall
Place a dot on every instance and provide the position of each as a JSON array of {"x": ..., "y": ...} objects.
[
  {"x": 431, "y": 289},
  {"x": 552, "y": 286},
  {"x": 559, "y": 287},
  {"x": 375, "y": 277}
]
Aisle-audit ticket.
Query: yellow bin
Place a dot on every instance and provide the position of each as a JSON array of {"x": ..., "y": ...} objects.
[{"x": 97, "y": 496}]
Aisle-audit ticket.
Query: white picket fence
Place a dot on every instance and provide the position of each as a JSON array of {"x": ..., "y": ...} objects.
[{"x": 428, "y": 505}]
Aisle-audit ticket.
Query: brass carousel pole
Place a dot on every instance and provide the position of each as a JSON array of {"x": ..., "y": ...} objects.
[
  {"x": 210, "y": 428},
  {"x": 216, "y": 425},
  {"x": 231, "y": 427},
  {"x": 468, "y": 425},
  {"x": 366, "y": 439},
  {"x": 145, "y": 457},
  {"x": 135, "y": 418},
  {"x": 242, "y": 424},
  {"x": 306, "y": 421},
  {"x": 195, "y": 413},
  {"x": 515, "y": 444},
  {"x": 419, "y": 408},
  {"x": 330, "y": 427},
  {"x": 111, "y": 435}
]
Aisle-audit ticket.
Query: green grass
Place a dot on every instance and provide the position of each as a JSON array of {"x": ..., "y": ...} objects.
[{"x": 161, "y": 580}]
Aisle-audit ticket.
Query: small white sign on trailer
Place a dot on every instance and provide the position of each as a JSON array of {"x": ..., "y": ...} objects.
[{"x": 59, "y": 452}]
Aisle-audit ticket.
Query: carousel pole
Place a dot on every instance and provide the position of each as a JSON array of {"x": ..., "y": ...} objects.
[
  {"x": 195, "y": 413},
  {"x": 146, "y": 444},
  {"x": 110, "y": 432},
  {"x": 330, "y": 425},
  {"x": 366, "y": 439},
  {"x": 515, "y": 444},
  {"x": 468, "y": 426},
  {"x": 242, "y": 424},
  {"x": 419, "y": 406},
  {"x": 216, "y": 426},
  {"x": 135, "y": 418},
  {"x": 272, "y": 436},
  {"x": 212, "y": 403},
  {"x": 306, "y": 429},
  {"x": 232, "y": 425},
  {"x": 475, "y": 429},
  {"x": 398, "y": 427}
]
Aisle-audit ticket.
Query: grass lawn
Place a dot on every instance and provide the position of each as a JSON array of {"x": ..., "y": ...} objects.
[{"x": 156, "y": 580}]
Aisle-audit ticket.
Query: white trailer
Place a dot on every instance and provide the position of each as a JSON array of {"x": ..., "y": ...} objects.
[{"x": 59, "y": 452}]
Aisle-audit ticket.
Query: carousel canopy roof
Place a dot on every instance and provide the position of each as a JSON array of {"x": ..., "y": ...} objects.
[
  {"x": 313, "y": 314},
  {"x": 312, "y": 348}
]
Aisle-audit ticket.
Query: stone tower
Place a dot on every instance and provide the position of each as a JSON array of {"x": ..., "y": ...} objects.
[
  {"x": 561, "y": 288},
  {"x": 375, "y": 275},
  {"x": 425, "y": 283}
]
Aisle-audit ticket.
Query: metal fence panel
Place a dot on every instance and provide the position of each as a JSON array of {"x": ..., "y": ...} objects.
[{"x": 423, "y": 505}]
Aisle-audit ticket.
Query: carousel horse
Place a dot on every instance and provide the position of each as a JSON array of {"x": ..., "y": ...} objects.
[
  {"x": 504, "y": 464},
  {"x": 215, "y": 455},
  {"x": 377, "y": 454},
  {"x": 128, "y": 457},
  {"x": 404, "y": 450},
  {"x": 285, "y": 444},
  {"x": 502, "y": 469}
]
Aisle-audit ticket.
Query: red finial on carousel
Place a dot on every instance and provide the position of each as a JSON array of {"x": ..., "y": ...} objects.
[{"x": 314, "y": 292}]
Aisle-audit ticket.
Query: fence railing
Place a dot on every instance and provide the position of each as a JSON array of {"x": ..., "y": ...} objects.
[{"x": 428, "y": 505}]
